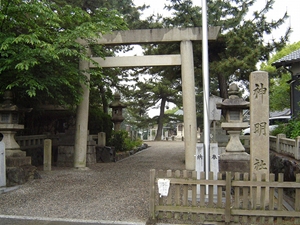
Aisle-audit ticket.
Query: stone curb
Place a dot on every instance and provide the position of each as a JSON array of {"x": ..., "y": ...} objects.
[{"x": 107, "y": 222}]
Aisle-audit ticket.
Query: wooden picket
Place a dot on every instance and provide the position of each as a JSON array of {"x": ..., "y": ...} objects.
[{"x": 235, "y": 198}]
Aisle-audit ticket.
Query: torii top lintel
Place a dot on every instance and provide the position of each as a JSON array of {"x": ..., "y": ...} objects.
[{"x": 156, "y": 35}]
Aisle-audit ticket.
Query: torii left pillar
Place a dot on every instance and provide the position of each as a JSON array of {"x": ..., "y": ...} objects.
[
  {"x": 81, "y": 135},
  {"x": 189, "y": 103}
]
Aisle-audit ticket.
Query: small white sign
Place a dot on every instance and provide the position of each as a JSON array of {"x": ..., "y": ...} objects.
[{"x": 163, "y": 187}]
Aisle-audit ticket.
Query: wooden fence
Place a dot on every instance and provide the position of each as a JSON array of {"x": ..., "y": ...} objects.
[{"x": 230, "y": 199}]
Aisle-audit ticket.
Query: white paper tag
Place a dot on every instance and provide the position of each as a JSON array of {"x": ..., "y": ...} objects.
[{"x": 163, "y": 187}]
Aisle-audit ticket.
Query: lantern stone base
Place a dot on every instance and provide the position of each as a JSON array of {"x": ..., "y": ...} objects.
[{"x": 234, "y": 162}]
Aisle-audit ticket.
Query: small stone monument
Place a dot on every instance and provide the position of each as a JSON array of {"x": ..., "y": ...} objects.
[
  {"x": 117, "y": 107},
  {"x": 235, "y": 158}
]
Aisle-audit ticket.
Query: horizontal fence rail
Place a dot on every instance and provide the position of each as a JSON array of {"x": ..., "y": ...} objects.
[
  {"x": 31, "y": 141},
  {"x": 230, "y": 198},
  {"x": 285, "y": 146},
  {"x": 279, "y": 143}
]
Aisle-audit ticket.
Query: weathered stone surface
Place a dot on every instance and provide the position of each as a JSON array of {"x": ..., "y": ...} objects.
[
  {"x": 259, "y": 117},
  {"x": 47, "y": 155},
  {"x": 65, "y": 156},
  {"x": 21, "y": 175},
  {"x": 91, "y": 155},
  {"x": 101, "y": 139},
  {"x": 104, "y": 154},
  {"x": 242, "y": 166},
  {"x": 283, "y": 164},
  {"x": 18, "y": 161}
]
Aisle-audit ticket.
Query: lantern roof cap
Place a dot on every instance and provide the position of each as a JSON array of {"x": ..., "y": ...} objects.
[
  {"x": 234, "y": 101},
  {"x": 9, "y": 106},
  {"x": 116, "y": 102}
]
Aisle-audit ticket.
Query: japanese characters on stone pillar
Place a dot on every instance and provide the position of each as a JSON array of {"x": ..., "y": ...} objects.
[{"x": 259, "y": 123}]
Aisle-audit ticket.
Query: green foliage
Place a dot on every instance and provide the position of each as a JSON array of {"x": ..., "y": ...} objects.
[
  {"x": 291, "y": 130},
  {"x": 122, "y": 142},
  {"x": 279, "y": 93},
  {"x": 40, "y": 51},
  {"x": 172, "y": 111},
  {"x": 99, "y": 122},
  {"x": 279, "y": 86}
]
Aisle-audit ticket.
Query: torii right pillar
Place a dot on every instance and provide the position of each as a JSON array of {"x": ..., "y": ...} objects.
[{"x": 259, "y": 128}]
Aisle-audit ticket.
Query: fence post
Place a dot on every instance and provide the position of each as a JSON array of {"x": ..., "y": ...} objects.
[
  {"x": 47, "y": 154},
  {"x": 152, "y": 194},
  {"x": 279, "y": 136},
  {"x": 2, "y": 165},
  {"x": 228, "y": 197},
  {"x": 297, "y": 199},
  {"x": 297, "y": 150}
]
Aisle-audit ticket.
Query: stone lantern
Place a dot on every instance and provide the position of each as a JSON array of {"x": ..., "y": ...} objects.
[
  {"x": 235, "y": 158},
  {"x": 9, "y": 125},
  {"x": 117, "y": 107}
]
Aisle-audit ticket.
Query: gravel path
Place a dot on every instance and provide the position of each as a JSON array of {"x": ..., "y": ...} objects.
[{"x": 107, "y": 191}]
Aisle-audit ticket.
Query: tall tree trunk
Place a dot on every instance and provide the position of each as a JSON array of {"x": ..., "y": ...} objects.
[
  {"x": 222, "y": 86},
  {"x": 160, "y": 120},
  {"x": 104, "y": 100},
  {"x": 223, "y": 89}
]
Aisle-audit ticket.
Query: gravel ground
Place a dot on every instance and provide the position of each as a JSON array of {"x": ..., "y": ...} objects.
[{"x": 107, "y": 191}]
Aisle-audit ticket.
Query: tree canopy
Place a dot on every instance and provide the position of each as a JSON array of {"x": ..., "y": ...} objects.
[
  {"x": 279, "y": 85},
  {"x": 232, "y": 57},
  {"x": 240, "y": 45},
  {"x": 39, "y": 51}
]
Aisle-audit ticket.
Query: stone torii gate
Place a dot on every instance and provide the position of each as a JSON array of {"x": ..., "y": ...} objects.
[{"x": 183, "y": 35}]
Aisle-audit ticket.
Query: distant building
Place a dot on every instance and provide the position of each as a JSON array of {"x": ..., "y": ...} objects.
[{"x": 292, "y": 63}]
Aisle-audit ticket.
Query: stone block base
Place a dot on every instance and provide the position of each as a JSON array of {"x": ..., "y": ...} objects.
[
  {"x": 21, "y": 175},
  {"x": 105, "y": 154},
  {"x": 234, "y": 162},
  {"x": 65, "y": 156},
  {"x": 18, "y": 161}
]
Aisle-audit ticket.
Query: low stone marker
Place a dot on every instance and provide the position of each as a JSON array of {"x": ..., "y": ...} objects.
[
  {"x": 101, "y": 139},
  {"x": 213, "y": 161},
  {"x": 47, "y": 154},
  {"x": 2, "y": 165}
]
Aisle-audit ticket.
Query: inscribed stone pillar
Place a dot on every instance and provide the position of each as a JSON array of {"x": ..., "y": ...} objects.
[
  {"x": 82, "y": 120},
  {"x": 189, "y": 103},
  {"x": 199, "y": 162},
  {"x": 259, "y": 124},
  {"x": 47, "y": 154}
]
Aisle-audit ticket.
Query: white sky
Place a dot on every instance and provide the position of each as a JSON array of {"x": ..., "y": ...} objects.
[{"x": 280, "y": 7}]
